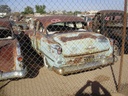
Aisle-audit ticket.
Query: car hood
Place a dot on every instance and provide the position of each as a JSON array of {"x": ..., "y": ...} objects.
[{"x": 76, "y": 43}]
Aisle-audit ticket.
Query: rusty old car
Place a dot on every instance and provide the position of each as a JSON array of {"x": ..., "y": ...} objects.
[
  {"x": 67, "y": 47},
  {"x": 110, "y": 24},
  {"x": 11, "y": 65}
]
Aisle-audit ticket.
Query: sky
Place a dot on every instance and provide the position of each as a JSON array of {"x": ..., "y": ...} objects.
[{"x": 68, "y": 5}]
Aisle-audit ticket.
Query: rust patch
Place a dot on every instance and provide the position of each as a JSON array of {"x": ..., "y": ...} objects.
[
  {"x": 88, "y": 53},
  {"x": 50, "y": 42},
  {"x": 75, "y": 61},
  {"x": 38, "y": 35},
  {"x": 80, "y": 36},
  {"x": 6, "y": 57},
  {"x": 5, "y": 23}
]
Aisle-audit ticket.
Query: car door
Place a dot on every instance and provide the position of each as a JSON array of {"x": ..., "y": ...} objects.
[
  {"x": 45, "y": 45},
  {"x": 41, "y": 40}
]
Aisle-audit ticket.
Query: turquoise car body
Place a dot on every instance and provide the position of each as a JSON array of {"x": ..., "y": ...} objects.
[{"x": 67, "y": 47}]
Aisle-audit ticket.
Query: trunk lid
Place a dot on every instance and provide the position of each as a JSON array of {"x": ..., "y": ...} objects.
[{"x": 79, "y": 43}]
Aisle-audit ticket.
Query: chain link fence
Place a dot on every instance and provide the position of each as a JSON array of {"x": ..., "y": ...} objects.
[{"x": 63, "y": 48}]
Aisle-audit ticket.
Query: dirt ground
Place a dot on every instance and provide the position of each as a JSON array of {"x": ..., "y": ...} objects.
[{"x": 99, "y": 82}]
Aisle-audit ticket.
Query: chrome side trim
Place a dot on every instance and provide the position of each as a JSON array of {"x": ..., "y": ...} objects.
[{"x": 13, "y": 74}]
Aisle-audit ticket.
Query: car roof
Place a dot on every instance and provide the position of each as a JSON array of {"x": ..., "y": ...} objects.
[
  {"x": 110, "y": 11},
  {"x": 5, "y": 23},
  {"x": 48, "y": 20}
]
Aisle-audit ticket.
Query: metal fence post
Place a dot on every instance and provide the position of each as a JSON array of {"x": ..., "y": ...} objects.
[{"x": 123, "y": 43}]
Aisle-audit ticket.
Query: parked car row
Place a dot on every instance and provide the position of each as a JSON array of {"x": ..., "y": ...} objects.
[{"x": 64, "y": 43}]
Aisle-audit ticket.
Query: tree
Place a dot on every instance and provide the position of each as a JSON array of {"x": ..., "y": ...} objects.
[
  {"x": 70, "y": 13},
  {"x": 64, "y": 12},
  {"x": 16, "y": 14},
  {"x": 53, "y": 12},
  {"x": 28, "y": 10},
  {"x": 77, "y": 12},
  {"x": 40, "y": 9},
  {"x": 5, "y": 8}
]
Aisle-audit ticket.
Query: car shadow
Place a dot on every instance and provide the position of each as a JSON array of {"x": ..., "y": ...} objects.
[
  {"x": 95, "y": 89},
  {"x": 32, "y": 60}
]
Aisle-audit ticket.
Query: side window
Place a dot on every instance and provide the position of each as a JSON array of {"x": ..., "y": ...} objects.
[
  {"x": 32, "y": 24},
  {"x": 41, "y": 28},
  {"x": 5, "y": 33},
  {"x": 70, "y": 24},
  {"x": 79, "y": 25}
]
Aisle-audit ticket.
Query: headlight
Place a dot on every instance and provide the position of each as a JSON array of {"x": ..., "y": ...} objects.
[
  {"x": 102, "y": 39},
  {"x": 57, "y": 47}
]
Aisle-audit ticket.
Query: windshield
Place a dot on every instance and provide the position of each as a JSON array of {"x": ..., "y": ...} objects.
[
  {"x": 65, "y": 27},
  {"x": 5, "y": 33}
]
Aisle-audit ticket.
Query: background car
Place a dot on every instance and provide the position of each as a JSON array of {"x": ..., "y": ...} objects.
[
  {"x": 11, "y": 59},
  {"x": 110, "y": 24}
]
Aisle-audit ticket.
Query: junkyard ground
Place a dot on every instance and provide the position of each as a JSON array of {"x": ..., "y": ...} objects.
[{"x": 99, "y": 82}]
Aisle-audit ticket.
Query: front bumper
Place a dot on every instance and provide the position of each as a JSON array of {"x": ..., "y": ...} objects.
[
  {"x": 65, "y": 70},
  {"x": 13, "y": 74}
]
